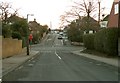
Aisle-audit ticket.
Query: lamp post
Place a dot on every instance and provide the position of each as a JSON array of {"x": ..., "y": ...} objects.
[{"x": 28, "y": 34}]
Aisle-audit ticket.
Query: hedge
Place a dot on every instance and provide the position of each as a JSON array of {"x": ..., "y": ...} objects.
[
  {"x": 88, "y": 40},
  {"x": 106, "y": 41},
  {"x": 16, "y": 35},
  {"x": 99, "y": 41},
  {"x": 24, "y": 42}
]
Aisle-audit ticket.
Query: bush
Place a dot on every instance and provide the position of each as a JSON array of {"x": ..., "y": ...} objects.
[
  {"x": 74, "y": 35},
  {"x": 88, "y": 40},
  {"x": 106, "y": 41},
  {"x": 24, "y": 42},
  {"x": 99, "y": 40},
  {"x": 6, "y": 32},
  {"x": 16, "y": 35},
  {"x": 35, "y": 38}
]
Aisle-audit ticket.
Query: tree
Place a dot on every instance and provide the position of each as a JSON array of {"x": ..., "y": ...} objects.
[
  {"x": 6, "y": 11},
  {"x": 80, "y": 9},
  {"x": 74, "y": 33},
  {"x": 6, "y": 31},
  {"x": 19, "y": 25}
]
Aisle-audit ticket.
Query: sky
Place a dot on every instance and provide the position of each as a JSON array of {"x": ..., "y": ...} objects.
[{"x": 47, "y": 11}]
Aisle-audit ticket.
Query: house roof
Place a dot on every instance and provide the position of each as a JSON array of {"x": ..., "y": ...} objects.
[
  {"x": 13, "y": 18},
  {"x": 106, "y": 18},
  {"x": 91, "y": 19},
  {"x": 34, "y": 26}
]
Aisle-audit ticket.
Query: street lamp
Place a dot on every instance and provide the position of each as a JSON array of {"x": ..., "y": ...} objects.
[{"x": 28, "y": 34}]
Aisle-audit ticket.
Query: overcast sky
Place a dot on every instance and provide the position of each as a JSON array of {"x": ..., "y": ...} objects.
[{"x": 46, "y": 11}]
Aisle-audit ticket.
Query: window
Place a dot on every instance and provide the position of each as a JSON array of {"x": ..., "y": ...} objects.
[{"x": 116, "y": 9}]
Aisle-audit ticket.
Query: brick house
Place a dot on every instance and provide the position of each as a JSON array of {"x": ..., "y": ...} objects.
[{"x": 114, "y": 14}]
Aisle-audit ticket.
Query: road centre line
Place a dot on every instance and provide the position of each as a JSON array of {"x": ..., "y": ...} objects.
[
  {"x": 62, "y": 42},
  {"x": 57, "y": 55}
]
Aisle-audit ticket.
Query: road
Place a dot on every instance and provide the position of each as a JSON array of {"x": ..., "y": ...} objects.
[{"x": 56, "y": 62}]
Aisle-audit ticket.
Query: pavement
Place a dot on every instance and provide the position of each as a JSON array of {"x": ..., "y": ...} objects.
[
  {"x": 110, "y": 61},
  {"x": 11, "y": 63}
]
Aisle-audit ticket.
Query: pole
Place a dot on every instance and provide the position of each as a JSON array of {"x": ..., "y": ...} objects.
[
  {"x": 27, "y": 36},
  {"x": 119, "y": 15},
  {"x": 99, "y": 12}
]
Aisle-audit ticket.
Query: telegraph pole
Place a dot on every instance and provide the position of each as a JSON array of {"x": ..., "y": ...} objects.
[
  {"x": 99, "y": 11},
  {"x": 119, "y": 15}
]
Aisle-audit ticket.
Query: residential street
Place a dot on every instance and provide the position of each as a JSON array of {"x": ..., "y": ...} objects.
[{"x": 56, "y": 62}]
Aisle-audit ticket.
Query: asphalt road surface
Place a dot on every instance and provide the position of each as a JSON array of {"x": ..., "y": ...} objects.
[{"x": 55, "y": 62}]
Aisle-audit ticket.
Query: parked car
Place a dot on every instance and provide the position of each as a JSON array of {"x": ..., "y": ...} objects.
[{"x": 59, "y": 37}]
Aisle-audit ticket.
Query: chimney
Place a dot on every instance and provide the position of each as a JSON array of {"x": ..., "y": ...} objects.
[{"x": 34, "y": 19}]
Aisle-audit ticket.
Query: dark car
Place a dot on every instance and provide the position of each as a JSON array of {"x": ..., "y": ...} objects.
[{"x": 59, "y": 37}]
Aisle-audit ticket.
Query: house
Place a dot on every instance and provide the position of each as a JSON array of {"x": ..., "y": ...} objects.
[
  {"x": 93, "y": 25},
  {"x": 104, "y": 22},
  {"x": 34, "y": 26},
  {"x": 114, "y": 14}
]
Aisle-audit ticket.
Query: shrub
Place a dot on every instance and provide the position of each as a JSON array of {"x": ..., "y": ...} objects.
[
  {"x": 24, "y": 42},
  {"x": 16, "y": 35},
  {"x": 88, "y": 40},
  {"x": 106, "y": 41},
  {"x": 35, "y": 38},
  {"x": 6, "y": 32},
  {"x": 75, "y": 35},
  {"x": 99, "y": 40},
  {"x": 111, "y": 43}
]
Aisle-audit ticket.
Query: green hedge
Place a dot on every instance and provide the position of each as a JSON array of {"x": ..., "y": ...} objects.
[
  {"x": 75, "y": 35},
  {"x": 106, "y": 41},
  {"x": 6, "y": 32},
  {"x": 88, "y": 40},
  {"x": 16, "y": 35},
  {"x": 99, "y": 41},
  {"x": 24, "y": 42}
]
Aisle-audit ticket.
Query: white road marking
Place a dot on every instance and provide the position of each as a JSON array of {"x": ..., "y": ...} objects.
[
  {"x": 62, "y": 42},
  {"x": 20, "y": 67},
  {"x": 98, "y": 64},
  {"x": 49, "y": 39},
  {"x": 30, "y": 65},
  {"x": 57, "y": 55},
  {"x": 90, "y": 62}
]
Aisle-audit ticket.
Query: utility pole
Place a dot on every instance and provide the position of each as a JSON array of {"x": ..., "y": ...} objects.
[
  {"x": 99, "y": 11},
  {"x": 119, "y": 15}
]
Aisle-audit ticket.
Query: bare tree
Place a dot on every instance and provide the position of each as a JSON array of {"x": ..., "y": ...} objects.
[
  {"x": 89, "y": 8},
  {"x": 5, "y": 8}
]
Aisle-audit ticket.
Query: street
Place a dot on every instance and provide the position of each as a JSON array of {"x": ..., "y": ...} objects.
[{"x": 56, "y": 62}]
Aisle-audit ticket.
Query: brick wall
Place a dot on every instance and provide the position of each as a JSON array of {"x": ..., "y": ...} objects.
[
  {"x": 11, "y": 47},
  {"x": 113, "y": 18}
]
